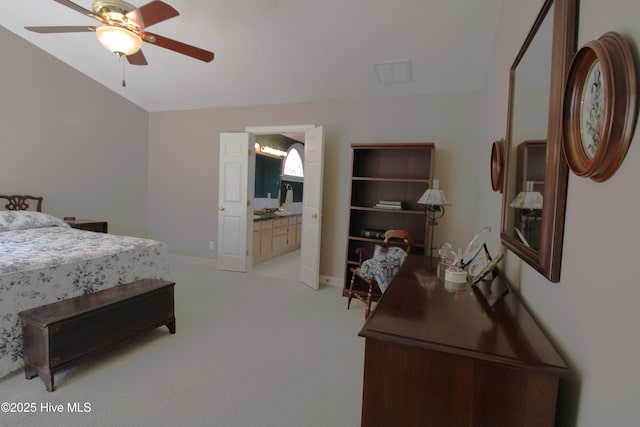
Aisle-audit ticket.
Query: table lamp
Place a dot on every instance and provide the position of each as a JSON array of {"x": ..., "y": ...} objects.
[{"x": 435, "y": 201}]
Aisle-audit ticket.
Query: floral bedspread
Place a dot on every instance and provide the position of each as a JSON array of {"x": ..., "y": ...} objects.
[{"x": 50, "y": 263}]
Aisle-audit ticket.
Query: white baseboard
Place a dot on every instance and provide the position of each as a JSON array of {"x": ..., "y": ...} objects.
[
  {"x": 336, "y": 282},
  {"x": 185, "y": 259}
]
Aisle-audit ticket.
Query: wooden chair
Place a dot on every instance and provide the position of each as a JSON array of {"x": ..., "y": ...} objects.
[{"x": 392, "y": 238}]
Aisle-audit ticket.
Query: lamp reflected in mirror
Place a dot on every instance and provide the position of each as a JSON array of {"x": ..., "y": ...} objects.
[
  {"x": 529, "y": 204},
  {"x": 435, "y": 201}
]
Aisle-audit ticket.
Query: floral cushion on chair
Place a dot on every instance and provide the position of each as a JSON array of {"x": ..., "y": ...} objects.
[
  {"x": 380, "y": 250},
  {"x": 383, "y": 266}
]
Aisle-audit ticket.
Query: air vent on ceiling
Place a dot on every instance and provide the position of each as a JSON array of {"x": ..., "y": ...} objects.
[{"x": 393, "y": 72}]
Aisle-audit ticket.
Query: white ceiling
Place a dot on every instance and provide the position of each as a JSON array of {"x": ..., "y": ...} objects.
[{"x": 279, "y": 51}]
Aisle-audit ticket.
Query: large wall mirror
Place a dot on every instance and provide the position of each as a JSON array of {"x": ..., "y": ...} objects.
[{"x": 536, "y": 175}]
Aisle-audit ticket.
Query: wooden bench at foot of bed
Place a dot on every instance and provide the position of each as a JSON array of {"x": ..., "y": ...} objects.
[{"x": 58, "y": 334}]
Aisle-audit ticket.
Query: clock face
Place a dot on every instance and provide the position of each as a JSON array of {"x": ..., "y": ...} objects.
[{"x": 592, "y": 110}]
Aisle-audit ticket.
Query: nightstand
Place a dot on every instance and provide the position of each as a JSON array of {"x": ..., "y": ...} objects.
[{"x": 90, "y": 225}]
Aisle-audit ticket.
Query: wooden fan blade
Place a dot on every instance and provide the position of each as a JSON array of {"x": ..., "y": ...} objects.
[
  {"x": 137, "y": 58},
  {"x": 46, "y": 30},
  {"x": 154, "y": 12},
  {"x": 82, "y": 10},
  {"x": 176, "y": 46}
]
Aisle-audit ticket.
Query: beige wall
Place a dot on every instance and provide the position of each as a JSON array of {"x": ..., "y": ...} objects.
[
  {"x": 183, "y": 162},
  {"x": 592, "y": 313},
  {"x": 64, "y": 137}
]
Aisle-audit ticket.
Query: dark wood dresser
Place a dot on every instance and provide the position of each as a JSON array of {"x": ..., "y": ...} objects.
[{"x": 439, "y": 358}]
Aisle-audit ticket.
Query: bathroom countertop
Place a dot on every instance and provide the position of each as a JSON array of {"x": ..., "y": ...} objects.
[{"x": 274, "y": 215}]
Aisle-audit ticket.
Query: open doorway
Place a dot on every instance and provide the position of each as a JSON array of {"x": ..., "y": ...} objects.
[
  {"x": 235, "y": 187},
  {"x": 287, "y": 265}
]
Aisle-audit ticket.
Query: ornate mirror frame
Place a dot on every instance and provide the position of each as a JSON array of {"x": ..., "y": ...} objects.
[{"x": 546, "y": 257}]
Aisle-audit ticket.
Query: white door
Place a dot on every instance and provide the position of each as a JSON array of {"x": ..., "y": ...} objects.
[
  {"x": 312, "y": 207},
  {"x": 235, "y": 194}
]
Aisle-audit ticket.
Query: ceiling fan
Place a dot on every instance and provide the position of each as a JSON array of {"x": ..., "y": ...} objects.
[{"x": 124, "y": 26}]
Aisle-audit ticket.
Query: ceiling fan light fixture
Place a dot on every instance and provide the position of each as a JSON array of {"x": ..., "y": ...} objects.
[{"x": 118, "y": 40}]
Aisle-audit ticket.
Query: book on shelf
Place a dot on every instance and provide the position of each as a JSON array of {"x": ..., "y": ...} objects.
[{"x": 387, "y": 206}]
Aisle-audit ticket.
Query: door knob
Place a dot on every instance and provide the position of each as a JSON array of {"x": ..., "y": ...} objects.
[
  {"x": 314, "y": 215},
  {"x": 221, "y": 208}
]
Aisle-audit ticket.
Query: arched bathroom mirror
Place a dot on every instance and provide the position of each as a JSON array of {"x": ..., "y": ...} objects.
[{"x": 536, "y": 173}]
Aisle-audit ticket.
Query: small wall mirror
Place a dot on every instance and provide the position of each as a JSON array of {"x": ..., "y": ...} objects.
[{"x": 536, "y": 173}]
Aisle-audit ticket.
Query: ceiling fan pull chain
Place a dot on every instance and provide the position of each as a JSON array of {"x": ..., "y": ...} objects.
[{"x": 124, "y": 84}]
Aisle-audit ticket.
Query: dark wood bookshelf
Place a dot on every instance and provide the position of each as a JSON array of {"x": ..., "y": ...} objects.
[{"x": 399, "y": 172}]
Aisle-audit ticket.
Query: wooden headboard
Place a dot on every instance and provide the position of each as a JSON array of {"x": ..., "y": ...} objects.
[{"x": 20, "y": 203}]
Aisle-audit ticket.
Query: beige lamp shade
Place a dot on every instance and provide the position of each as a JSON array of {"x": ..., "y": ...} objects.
[{"x": 434, "y": 196}]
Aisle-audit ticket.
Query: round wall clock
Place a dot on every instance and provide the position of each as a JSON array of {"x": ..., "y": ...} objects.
[
  {"x": 498, "y": 157},
  {"x": 599, "y": 108}
]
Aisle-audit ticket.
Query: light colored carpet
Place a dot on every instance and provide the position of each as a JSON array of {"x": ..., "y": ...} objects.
[{"x": 250, "y": 350}]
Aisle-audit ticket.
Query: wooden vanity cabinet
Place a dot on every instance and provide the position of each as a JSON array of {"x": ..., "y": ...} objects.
[
  {"x": 292, "y": 240},
  {"x": 262, "y": 239},
  {"x": 280, "y": 234},
  {"x": 266, "y": 238},
  {"x": 256, "y": 242},
  {"x": 277, "y": 236}
]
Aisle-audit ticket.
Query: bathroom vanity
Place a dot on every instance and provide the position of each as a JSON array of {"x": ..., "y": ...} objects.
[{"x": 275, "y": 234}]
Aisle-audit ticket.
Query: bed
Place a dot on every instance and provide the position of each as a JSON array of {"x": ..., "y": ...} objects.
[{"x": 43, "y": 260}]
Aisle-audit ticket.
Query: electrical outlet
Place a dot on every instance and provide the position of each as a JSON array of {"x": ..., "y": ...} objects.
[
  {"x": 326, "y": 280},
  {"x": 212, "y": 245}
]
